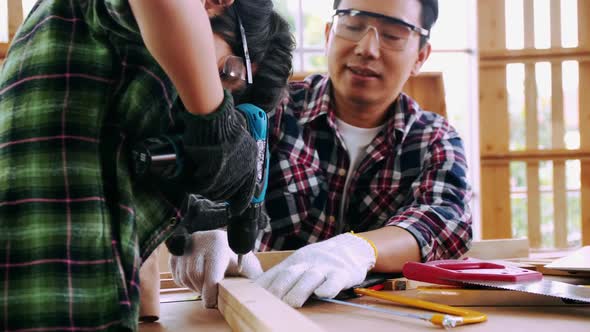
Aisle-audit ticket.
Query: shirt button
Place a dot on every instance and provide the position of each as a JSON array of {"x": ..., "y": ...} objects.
[
  {"x": 342, "y": 172},
  {"x": 331, "y": 219}
]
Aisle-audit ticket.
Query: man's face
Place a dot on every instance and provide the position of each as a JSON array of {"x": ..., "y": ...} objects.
[{"x": 363, "y": 72}]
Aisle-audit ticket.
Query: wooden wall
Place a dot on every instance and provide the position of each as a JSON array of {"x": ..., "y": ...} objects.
[
  {"x": 494, "y": 122},
  {"x": 15, "y": 17}
]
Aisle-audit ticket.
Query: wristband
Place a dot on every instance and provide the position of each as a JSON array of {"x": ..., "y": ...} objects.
[{"x": 371, "y": 243}]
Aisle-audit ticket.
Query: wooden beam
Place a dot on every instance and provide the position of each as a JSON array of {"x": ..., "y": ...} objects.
[
  {"x": 534, "y": 55},
  {"x": 584, "y": 107},
  {"x": 583, "y": 24},
  {"x": 499, "y": 249},
  {"x": 248, "y": 307},
  {"x": 269, "y": 259},
  {"x": 491, "y": 26},
  {"x": 3, "y": 50},
  {"x": 532, "y": 141},
  {"x": 538, "y": 155},
  {"x": 15, "y": 16},
  {"x": 494, "y": 136}
]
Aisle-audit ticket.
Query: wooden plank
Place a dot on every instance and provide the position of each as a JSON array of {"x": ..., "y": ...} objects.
[
  {"x": 429, "y": 91},
  {"x": 583, "y": 24},
  {"x": 532, "y": 142},
  {"x": 533, "y": 56},
  {"x": 248, "y": 307},
  {"x": 15, "y": 16},
  {"x": 163, "y": 257},
  {"x": 495, "y": 203},
  {"x": 495, "y": 185},
  {"x": 493, "y": 111},
  {"x": 533, "y": 193},
  {"x": 584, "y": 107},
  {"x": 3, "y": 50},
  {"x": 555, "y": 17},
  {"x": 269, "y": 259},
  {"x": 559, "y": 173},
  {"x": 536, "y": 155},
  {"x": 491, "y": 27},
  {"x": 576, "y": 261},
  {"x": 499, "y": 249},
  {"x": 529, "y": 24}
]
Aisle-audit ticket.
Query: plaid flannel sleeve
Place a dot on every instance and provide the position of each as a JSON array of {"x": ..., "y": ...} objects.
[{"x": 439, "y": 216}]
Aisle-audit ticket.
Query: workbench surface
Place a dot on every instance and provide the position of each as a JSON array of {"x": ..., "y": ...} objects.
[{"x": 191, "y": 315}]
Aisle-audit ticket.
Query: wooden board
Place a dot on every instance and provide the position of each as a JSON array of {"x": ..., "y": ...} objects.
[
  {"x": 499, "y": 249},
  {"x": 248, "y": 307},
  {"x": 576, "y": 261}
]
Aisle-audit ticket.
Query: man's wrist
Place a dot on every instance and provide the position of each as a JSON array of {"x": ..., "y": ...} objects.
[{"x": 371, "y": 243}]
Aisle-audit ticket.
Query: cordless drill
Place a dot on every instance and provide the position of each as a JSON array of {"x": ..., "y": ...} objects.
[{"x": 163, "y": 158}]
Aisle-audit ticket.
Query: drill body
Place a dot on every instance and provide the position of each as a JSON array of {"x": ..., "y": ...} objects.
[{"x": 163, "y": 159}]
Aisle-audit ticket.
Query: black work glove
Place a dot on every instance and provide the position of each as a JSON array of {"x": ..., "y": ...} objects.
[
  {"x": 223, "y": 156},
  {"x": 201, "y": 214}
]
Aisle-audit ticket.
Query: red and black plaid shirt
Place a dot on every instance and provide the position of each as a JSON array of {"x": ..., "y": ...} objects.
[{"x": 413, "y": 176}]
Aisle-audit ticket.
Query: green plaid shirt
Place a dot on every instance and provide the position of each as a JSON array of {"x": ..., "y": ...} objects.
[{"x": 77, "y": 88}]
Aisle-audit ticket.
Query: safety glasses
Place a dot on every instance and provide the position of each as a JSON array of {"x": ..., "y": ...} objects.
[{"x": 392, "y": 33}]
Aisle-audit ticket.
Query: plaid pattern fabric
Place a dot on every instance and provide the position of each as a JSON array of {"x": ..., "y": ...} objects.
[
  {"x": 413, "y": 176},
  {"x": 77, "y": 87}
]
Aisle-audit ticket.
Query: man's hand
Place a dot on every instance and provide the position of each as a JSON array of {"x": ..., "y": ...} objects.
[
  {"x": 210, "y": 261},
  {"x": 324, "y": 269}
]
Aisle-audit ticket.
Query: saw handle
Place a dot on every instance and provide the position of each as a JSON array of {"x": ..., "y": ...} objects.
[{"x": 452, "y": 272}]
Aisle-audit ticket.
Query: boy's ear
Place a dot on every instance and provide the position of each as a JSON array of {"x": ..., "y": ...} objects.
[{"x": 216, "y": 7}]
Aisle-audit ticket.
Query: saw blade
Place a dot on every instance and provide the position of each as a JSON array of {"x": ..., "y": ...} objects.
[{"x": 542, "y": 287}]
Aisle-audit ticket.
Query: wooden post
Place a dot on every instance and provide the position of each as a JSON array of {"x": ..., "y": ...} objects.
[
  {"x": 15, "y": 16},
  {"x": 494, "y": 123},
  {"x": 584, "y": 44},
  {"x": 532, "y": 132},
  {"x": 558, "y": 133}
]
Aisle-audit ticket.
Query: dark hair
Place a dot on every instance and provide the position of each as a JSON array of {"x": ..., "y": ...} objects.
[
  {"x": 429, "y": 15},
  {"x": 270, "y": 45}
]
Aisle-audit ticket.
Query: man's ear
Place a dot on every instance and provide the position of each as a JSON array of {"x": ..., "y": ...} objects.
[
  {"x": 327, "y": 31},
  {"x": 423, "y": 55}
]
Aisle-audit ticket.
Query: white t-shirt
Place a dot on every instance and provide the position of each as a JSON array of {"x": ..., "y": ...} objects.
[{"x": 356, "y": 141}]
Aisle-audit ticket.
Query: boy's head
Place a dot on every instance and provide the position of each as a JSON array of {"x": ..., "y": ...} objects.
[{"x": 270, "y": 46}]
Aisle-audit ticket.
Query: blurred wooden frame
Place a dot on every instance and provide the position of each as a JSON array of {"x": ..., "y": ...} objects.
[
  {"x": 427, "y": 89},
  {"x": 15, "y": 18}
]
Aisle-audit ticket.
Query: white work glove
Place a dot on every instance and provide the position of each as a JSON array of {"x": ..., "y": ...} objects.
[
  {"x": 324, "y": 269},
  {"x": 210, "y": 261}
]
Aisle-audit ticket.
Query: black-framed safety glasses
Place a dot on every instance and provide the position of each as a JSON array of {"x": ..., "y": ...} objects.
[{"x": 392, "y": 33}]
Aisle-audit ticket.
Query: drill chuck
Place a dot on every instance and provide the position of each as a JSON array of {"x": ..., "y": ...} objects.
[{"x": 159, "y": 157}]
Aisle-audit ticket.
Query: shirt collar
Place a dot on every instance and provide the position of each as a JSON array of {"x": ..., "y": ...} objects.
[{"x": 401, "y": 114}]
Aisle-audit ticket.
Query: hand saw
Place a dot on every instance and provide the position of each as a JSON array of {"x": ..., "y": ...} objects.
[{"x": 481, "y": 273}]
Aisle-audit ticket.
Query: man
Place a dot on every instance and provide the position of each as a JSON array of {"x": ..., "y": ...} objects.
[{"x": 351, "y": 153}]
